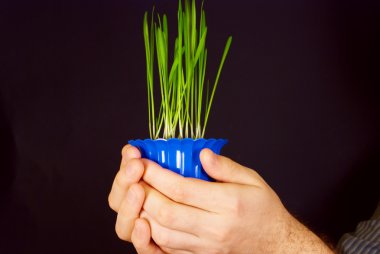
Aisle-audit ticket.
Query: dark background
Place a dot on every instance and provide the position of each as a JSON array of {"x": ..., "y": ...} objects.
[{"x": 298, "y": 100}]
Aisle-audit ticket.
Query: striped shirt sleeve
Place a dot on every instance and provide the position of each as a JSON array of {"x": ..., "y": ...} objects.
[{"x": 365, "y": 239}]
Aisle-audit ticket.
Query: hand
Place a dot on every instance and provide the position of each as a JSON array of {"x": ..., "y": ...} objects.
[
  {"x": 126, "y": 198},
  {"x": 238, "y": 214}
]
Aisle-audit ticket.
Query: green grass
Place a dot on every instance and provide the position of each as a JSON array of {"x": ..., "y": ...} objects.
[{"x": 186, "y": 98}]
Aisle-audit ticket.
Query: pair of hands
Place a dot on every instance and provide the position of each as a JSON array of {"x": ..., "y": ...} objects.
[{"x": 162, "y": 212}]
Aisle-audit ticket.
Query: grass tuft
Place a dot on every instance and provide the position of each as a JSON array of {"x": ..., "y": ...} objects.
[{"x": 185, "y": 99}]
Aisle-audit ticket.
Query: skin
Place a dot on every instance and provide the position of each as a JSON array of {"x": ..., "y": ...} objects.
[{"x": 162, "y": 212}]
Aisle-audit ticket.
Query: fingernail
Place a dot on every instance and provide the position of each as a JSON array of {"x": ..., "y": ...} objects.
[
  {"x": 133, "y": 153},
  {"x": 125, "y": 149}
]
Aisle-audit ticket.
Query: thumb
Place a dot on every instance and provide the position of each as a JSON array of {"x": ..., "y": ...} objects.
[{"x": 223, "y": 169}]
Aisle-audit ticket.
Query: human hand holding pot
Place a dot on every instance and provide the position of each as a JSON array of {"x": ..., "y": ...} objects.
[{"x": 238, "y": 214}]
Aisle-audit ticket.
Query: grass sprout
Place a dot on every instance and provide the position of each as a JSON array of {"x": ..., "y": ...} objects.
[{"x": 186, "y": 98}]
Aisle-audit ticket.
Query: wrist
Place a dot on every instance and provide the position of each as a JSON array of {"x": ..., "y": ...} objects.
[{"x": 297, "y": 238}]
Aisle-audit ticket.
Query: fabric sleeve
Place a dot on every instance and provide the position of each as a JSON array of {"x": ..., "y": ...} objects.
[{"x": 365, "y": 239}]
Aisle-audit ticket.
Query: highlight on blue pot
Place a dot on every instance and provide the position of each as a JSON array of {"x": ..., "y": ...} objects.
[{"x": 179, "y": 155}]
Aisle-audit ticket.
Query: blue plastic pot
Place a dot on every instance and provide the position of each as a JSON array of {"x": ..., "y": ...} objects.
[{"x": 179, "y": 155}]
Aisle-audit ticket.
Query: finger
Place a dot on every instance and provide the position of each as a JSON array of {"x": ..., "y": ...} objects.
[
  {"x": 172, "y": 215},
  {"x": 173, "y": 251},
  {"x": 125, "y": 176},
  {"x": 171, "y": 239},
  {"x": 224, "y": 169},
  {"x": 141, "y": 239},
  {"x": 188, "y": 191},
  {"x": 129, "y": 152},
  {"x": 128, "y": 175},
  {"x": 129, "y": 211}
]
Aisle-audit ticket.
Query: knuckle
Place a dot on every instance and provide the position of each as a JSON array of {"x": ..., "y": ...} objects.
[
  {"x": 120, "y": 180},
  {"x": 164, "y": 216},
  {"x": 134, "y": 168},
  {"x": 135, "y": 165},
  {"x": 169, "y": 251},
  {"x": 135, "y": 188},
  {"x": 161, "y": 239},
  {"x": 222, "y": 236},
  {"x": 216, "y": 250},
  {"x": 236, "y": 206},
  {"x": 121, "y": 232},
  {"x": 112, "y": 204},
  {"x": 125, "y": 217},
  {"x": 178, "y": 192}
]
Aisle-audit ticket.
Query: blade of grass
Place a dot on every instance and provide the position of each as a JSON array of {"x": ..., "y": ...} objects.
[{"x": 225, "y": 52}]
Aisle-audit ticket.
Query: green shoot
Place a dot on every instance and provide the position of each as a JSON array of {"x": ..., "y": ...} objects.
[{"x": 185, "y": 99}]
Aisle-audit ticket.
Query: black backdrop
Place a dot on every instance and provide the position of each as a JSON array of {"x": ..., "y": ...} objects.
[{"x": 298, "y": 101}]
